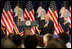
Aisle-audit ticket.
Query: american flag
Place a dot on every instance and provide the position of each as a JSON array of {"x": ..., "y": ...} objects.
[
  {"x": 7, "y": 18},
  {"x": 29, "y": 13},
  {"x": 63, "y": 27},
  {"x": 53, "y": 15}
]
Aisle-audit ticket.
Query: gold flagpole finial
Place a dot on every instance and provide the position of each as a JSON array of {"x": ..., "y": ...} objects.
[
  {"x": 52, "y": 11},
  {"x": 52, "y": 5}
]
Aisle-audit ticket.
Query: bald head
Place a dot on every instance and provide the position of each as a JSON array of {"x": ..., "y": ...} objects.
[{"x": 46, "y": 17}]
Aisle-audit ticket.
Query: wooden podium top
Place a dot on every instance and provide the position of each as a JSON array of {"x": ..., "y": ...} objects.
[{"x": 24, "y": 26}]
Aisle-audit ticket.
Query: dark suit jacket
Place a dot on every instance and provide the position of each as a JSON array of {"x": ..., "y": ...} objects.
[{"x": 48, "y": 29}]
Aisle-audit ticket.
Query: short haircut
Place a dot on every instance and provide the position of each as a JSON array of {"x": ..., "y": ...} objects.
[
  {"x": 47, "y": 37},
  {"x": 40, "y": 40},
  {"x": 30, "y": 41},
  {"x": 53, "y": 44},
  {"x": 17, "y": 39},
  {"x": 64, "y": 37}
]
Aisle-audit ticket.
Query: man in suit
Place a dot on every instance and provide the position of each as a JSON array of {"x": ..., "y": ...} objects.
[{"x": 48, "y": 26}]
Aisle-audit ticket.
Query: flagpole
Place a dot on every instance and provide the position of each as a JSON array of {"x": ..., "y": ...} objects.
[
  {"x": 52, "y": 11},
  {"x": 41, "y": 11},
  {"x": 64, "y": 12},
  {"x": 7, "y": 17},
  {"x": 28, "y": 8},
  {"x": 18, "y": 13}
]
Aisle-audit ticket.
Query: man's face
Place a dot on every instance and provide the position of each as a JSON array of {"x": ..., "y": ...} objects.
[{"x": 46, "y": 17}]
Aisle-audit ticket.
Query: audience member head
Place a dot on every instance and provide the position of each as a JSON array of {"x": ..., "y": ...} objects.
[
  {"x": 46, "y": 38},
  {"x": 54, "y": 44},
  {"x": 46, "y": 17},
  {"x": 61, "y": 42},
  {"x": 7, "y": 44},
  {"x": 30, "y": 41},
  {"x": 64, "y": 37},
  {"x": 40, "y": 40},
  {"x": 17, "y": 39}
]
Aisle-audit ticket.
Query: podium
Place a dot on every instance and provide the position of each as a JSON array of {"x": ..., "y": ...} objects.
[{"x": 27, "y": 29}]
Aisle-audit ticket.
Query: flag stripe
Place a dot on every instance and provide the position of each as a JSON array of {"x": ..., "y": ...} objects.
[
  {"x": 26, "y": 14},
  {"x": 11, "y": 13},
  {"x": 24, "y": 17},
  {"x": 31, "y": 16},
  {"x": 33, "y": 30},
  {"x": 33, "y": 13},
  {"x": 22, "y": 33},
  {"x": 38, "y": 29},
  {"x": 60, "y": 28}
]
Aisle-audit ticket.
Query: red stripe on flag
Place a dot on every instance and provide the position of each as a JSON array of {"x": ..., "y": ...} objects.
[
  {"x": 31, "y": 32},
  {"x": 33, "y": 13},
  {"x": 26, "y": 15},
  {"x": 60, "y": 27},
  {"x": 11, "y": 13},
  {"x": 24, "y": 18},
  {"x": 31, "y": 16},
  {"x": 70, "y": 17}
]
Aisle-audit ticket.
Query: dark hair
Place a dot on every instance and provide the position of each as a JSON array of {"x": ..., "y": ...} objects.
[
  {"x": 30, "y": 41},
  {"x": 40, "y": 40},
  {"x": 61, "y": 42},
  {"x": 17, "y": 39},
  {"x": 53, "y": 44},
  {"x": 64, "y": 37}
]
